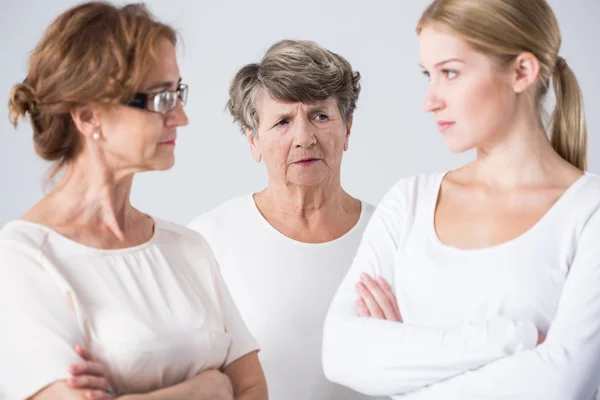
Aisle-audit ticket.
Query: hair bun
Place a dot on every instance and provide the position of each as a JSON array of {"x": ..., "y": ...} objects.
[{"x": 23, "y": 100}]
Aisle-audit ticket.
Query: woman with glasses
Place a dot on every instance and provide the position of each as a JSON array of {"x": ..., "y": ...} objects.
[{"x": 83, "y": 266}]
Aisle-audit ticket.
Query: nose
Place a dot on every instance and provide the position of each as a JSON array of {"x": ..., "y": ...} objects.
[
  {"x": 178, "y": 116},
  {"x": 433, "y": 101},
  {"x": 304, "y": 134}
]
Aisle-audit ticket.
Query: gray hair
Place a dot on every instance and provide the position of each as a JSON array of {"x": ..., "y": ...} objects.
[{"x": 293, "y": 71}]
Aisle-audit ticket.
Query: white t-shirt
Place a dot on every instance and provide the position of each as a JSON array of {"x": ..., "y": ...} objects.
[
  {"x": 283, "y": 289},
  {"x": 156, "y": 314},
  {"x": 470, "y": 316}
]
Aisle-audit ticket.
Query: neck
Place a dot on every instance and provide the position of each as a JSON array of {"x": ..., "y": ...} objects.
[
  {"x": 306, "y": 202},
  {"x": 524, "y": 156},
  {"x": 92, "y": 195}
]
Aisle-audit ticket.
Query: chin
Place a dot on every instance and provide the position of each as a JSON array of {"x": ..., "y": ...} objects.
[
  {"x": 458, "y": 146},
  {"x": 164, "y": 164}
]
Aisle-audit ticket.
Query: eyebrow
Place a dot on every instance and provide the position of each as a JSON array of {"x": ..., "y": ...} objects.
[
  {"x": 280, "y": 116},
  {"x": 320, "y": 106},
  {"x": 163, "y": 85},
  {"x": 444, "y": 62}
]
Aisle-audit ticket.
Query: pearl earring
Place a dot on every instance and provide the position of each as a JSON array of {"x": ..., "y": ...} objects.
[{"x": 96, "y": 136}]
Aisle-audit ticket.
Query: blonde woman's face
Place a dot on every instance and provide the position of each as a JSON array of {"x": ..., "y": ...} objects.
[
  {"x": 471, "y": 101},
  {"x": 300, "y": 144}
]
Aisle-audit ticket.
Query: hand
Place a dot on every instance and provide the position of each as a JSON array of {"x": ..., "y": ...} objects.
[
  {"x": 376, "y": 299},
  {"x": 90, "y": 375}
]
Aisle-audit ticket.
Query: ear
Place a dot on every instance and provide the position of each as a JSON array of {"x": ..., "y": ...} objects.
[
  {"x": 348, "y": 130},
  {"x": 86, "y": 120},
  {"x": 252, "y": 141},
  {"x": 527, "y": 70}
]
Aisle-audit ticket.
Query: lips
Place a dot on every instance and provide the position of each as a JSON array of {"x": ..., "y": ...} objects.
[
  {"x": 443, "y": 126},
  {"x": 306, "y": 162}
]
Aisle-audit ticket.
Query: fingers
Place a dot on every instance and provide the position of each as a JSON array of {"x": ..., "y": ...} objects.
[
  {"x": 98, "y": 395},
  {"x": 91, "y": 375},
  {"x": 361, "y": 308},
  {"x": 378, "y": 298},
  {"x": 387, "y": 289},
  {"x": 86, "y": 355},
  {"x": 89, "y": 382},
  {"x": 370, "y": 302},
  {"x": 88, "y": 368}
]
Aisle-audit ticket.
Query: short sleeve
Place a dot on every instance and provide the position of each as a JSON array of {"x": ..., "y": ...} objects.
[
  {"x": 242, "y": 341},
  {"x": 38, "y": 328}
]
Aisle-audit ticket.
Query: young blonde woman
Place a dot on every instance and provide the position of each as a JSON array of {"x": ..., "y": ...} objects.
[{"x": 493, "y": 268}]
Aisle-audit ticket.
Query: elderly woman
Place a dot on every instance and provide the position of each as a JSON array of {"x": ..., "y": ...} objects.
[
  {"x": 83, "y": 266},
  {"x": 284, "y": 250}
]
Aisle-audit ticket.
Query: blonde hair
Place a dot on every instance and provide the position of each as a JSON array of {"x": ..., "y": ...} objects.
[
  {"x": 294, "y": 71},
  {"x": 94, "y": 52},
  {"x": 503, "y": 29}
]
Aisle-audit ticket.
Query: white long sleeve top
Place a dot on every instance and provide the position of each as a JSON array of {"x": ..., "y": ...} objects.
[{"x": 471, "y": 317}]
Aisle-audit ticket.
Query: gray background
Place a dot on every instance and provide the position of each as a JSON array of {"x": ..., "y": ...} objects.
[{"x": 392, "y": 137}]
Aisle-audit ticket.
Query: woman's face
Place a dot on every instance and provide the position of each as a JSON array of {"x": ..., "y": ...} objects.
[
  {"x": 300, "y": 144},
  {"x": 472, "y": 102},
  {"x": 136, "y": 139}
]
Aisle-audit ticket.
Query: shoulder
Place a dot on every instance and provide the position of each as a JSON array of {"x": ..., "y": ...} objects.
[
  {"x": 189, "y": 247},
  {"x": 586, "y": 202},
  {"x": 174, "y": 233},
  {"x": 591, "y": 185},
  {"x": 220, "y": 217},
  {"x": 24, "y": 261},
  {"x": 583, "y": 200},
  {"x": 24, "y": 233},
  {"x": 412, "y": 190},
  {"x": 22, "y": 241}
]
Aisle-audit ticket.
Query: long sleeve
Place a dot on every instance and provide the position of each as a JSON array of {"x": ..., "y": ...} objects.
[
  {"x": 242, "y": 341},
  {"x": 38, "y": 328},
  {"x": 567, "y": 365},
  {"x": 378, "y": 357}
]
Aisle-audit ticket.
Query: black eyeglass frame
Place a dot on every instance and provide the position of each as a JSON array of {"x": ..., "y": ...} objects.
[{"x": 143, "y": 100}]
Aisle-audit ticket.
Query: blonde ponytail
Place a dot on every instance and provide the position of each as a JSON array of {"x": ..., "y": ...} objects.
[{"x": 568, "y": 131}]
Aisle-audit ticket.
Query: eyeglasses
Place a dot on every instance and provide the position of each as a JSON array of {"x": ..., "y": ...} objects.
[{"x": 161, "y": 102}]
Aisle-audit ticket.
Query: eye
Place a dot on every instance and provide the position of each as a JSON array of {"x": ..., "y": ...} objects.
[
  {"x": 282, "y": 123},
  {"x": 450, "y": 74},
  {"x": 160, "y": 102},
  {"x": 426, "y": 74},
  {"x": 321, "y": 117}
]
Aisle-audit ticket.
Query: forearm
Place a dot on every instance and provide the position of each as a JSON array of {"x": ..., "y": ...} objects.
[
  {"x": 247, "y": 378},
  {"x": 378, "y": 357},
  {"x": 258, "y": 392},
  {"x": 210, "y": 385}
]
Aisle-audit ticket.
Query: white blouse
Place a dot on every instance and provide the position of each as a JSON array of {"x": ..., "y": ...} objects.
[
  {"x": 156, "y": 314},
  {"x": 471, "y": 317}
]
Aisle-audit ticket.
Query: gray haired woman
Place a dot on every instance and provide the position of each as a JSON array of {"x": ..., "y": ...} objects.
[{"x": 285, "y": 249}]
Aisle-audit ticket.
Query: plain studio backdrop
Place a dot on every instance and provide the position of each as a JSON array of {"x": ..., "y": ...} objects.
[{"x": 391, "y": 138}]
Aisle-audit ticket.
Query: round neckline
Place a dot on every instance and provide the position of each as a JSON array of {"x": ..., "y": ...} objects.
[
  {"x": 299, "y": 243},
  {"x": 87, "y": 248},
  {"x": 536, "y": 226}
]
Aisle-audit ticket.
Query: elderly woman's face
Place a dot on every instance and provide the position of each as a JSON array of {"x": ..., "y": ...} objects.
[
  {"x": 136, "y": 139},
  {"x": 300, "y": 144}
]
